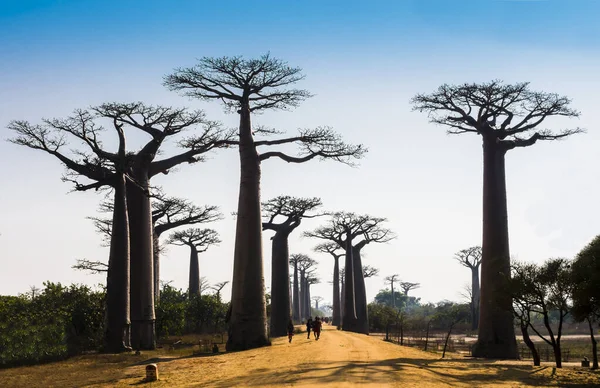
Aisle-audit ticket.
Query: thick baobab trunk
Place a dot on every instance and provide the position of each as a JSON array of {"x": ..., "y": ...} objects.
[
  {"x": 194, "y": 281},
  {"x": 362, "y": 314},
  {"x": 342, "y": 299},
  {"x": 335, "y": 319},
  {"x": 248, "y": 321},
  {"x": 296, "y": 315},
  {"x": 302, "y": 296},
  {"x": 117, "y": 335},
  {"x": 280, "y": 287},
  {"x": 155, "y": 258},
  {"x": 530, "y": 345},
  {"x": 496, "y": 337},
  {"x": 349, "y": 320},
  {"x": 307, "y": 303},
  {"x": 142, "y": 264},
  {"x": 594, "y": 346},
  {"x": 393, "y": 296},
  {"x": 474, "y": 297}
]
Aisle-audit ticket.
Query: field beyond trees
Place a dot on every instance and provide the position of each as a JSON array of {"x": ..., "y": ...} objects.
[{"x": 338, "y": 359}]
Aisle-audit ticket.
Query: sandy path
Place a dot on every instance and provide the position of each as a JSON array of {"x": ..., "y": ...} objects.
[
  {"x": 338, "y": 359},
  {"x": 342, "y": 359}
]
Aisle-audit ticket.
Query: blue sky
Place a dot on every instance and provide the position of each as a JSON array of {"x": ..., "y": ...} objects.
[{"x": 363, "y": 61}]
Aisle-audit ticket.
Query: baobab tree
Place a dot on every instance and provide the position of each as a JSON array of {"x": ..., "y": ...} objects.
[
  {"x": 167, "y": 213},
  {"x": 218, "y": 287},
  {"x": 160, "y": 123},
  {"x": 392, "y": 279},
  {"x": 305, "y": 267},
  {"x": 336, "y": 252},
  {"x": 344, "y": 229},
  {"x": 407, "y": 286},
  {"x": 317, "y": 300},
  {"x": 99, "y": 168},
  {"x": 506, "y": 116},
  {"x": 294, "y": 262},
  {"x": 471, "y": 258},
  {"x": 309, "y": 281},
  {"x": 198, "y": 240},
  {"x": 369, "y": 271},
  {"x": 247, "y": 86},
  {"x": 283, "y": 214}
]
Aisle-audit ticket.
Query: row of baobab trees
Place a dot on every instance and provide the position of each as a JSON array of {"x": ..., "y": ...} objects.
[
  {"x": 245, "y": 87},
  {"x": 506, "y": 116}
]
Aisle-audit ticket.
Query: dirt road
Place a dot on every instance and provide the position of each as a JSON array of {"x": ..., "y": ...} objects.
[
  {"x": 338, "y": 359},
  {"x": 342, "y": 359}
]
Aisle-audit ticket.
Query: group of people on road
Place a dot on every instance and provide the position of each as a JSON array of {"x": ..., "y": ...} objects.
[{"x": 315, "y": 326}]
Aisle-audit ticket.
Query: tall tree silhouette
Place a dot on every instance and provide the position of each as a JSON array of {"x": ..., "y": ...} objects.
[
  {"x": 218, "y": 287},
  {"x": 198, "y": 240},
  {"x": 506, "y": 117},
  {"x": 305, "y": 266},
  {"x": 408, "y": 286},
  {"x": 353, "y": 232},
  {"x": 99, "y": 168},
  {"x": 247, "y": 86},
  {"x": 283, "y": 214},
  {"x": 336, "y": 252},
  {"x": 159, "y": 123},
  {"x": 471, "y": 258},
  {"x": 392, "y": 279},
  {"x": 167, "y": 213},
  {"x": 296, "y": 313}
]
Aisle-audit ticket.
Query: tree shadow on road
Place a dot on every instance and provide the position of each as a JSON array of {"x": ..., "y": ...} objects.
[{"x": 415, "y": 372}]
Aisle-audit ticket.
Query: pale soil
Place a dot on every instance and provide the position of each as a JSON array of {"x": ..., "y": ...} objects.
[{"x": 338, "y": 359}]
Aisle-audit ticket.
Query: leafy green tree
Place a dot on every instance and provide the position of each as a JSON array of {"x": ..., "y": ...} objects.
[
  {"x": 447, "y": 315},
  {"x": 586, "y": 293},
  {"x": 545, "y": 288}
]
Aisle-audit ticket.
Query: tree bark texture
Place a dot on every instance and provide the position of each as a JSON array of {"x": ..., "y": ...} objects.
[
  {"x": 194, "y": 280},
  {"x": 117, "y": 330},
  {"x": 475, "y": 297},
  {"x": 142, "y": 263},
  {"x": 248, "y": 322},
  {"x": 280, "y": 287},
  {"x": 296, "y": 315},
  {"x": 362, "y": 314},
  {"x": 349, "y": 320},
  {"x": 156, "y": 260},
  {"x": 496, "y": 337},
  {"x": 335, "y": 321}
]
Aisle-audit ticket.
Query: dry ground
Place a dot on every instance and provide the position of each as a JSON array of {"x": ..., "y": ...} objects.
[{"x": 338, "y": 359}]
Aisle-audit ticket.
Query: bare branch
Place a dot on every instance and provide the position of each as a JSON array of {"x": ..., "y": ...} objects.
[
  {"x": 407, "y": 286},
  {"x": 321, "y": 142},
  {"x": 291, "y": 209},
  {"x": 94, "y": 267},
  {"x": 201, "y": 239},
  {"x": 356, "y": 225},
  {"x": 470, "y": 257},
  {"x": 369, "y": 271},
  {"x": 263, "y": 82},
  {"x": 497, "y": 103}
]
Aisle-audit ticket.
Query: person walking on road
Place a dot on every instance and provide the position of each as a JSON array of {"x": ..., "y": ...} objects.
[
  {"x": 317, "y": 328},
  {"x": 309, "y": 323},
  {"x": 290, "y": 330}
]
